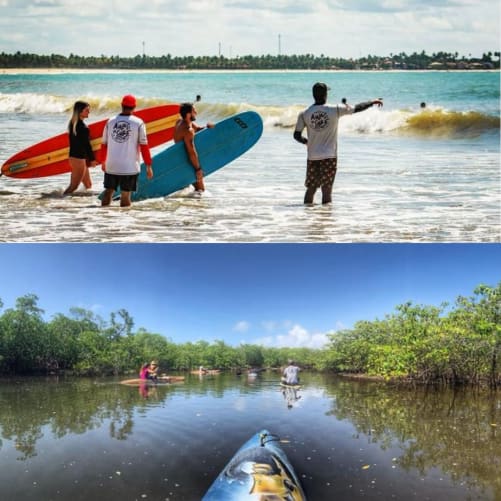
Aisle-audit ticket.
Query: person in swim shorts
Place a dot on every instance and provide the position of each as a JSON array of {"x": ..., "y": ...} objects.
[
  {"x": 321, "y": 123},
  {"x": 124, "y": 138},
  {"x": 185, "y": 131}
]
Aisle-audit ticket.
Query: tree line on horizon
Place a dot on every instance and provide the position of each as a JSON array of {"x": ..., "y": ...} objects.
[
  {"x": 414, "y": 61},
  {"x": 418, "y": 343}
]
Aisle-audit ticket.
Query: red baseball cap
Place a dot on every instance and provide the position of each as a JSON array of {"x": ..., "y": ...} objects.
[{"x": 129, "y": 101}]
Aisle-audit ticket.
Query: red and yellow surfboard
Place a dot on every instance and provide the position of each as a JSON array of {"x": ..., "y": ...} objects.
[{"x": 50, "y": 157}]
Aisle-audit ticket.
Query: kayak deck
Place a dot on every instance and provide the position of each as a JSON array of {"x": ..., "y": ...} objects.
[
  {"x": 293, "y": 386},
  {"x": 206, "y": 372},
  {"x": 159, "y": 381},
  {"x": 259, "y": 470}
]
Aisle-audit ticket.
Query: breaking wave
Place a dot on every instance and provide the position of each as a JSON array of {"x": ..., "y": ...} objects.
[
  {"x": 451, "y": 123},
  {"x": 31, "y": 103},
  {"x": 429, "y": 122}
]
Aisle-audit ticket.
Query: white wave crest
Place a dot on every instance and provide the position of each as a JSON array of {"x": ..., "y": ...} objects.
[{"x": 34, "y": 103}]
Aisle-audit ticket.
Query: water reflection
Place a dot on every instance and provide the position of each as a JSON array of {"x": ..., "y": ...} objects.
[
  {"x": 414, "y": 431},
  {"x": 456, "y": 430},
  {"x": 31, "y": 407},
  {"x": 291, "y": 395},
  {"x": 75, "y": 406}
]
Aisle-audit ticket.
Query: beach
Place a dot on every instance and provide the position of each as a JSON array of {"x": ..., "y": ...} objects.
[{"x": 404, "y": 174}]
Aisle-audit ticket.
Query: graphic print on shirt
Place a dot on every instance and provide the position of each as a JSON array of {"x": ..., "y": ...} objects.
[
  {"x": 121, "y": 132},
  {"x": 319, "y": 120}
]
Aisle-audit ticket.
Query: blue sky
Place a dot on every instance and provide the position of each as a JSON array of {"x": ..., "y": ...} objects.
[
  {"x": 271, "y": 294},
  {"x": 343, "y": 28}
]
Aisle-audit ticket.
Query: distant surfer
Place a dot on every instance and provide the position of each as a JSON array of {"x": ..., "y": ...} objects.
[
  {"x": 124, "y": 138},
  {"x": 81, "y": 154},
  {"x": 423, "y": 105},
  {"x": 345, "y": 102},
  {"x": 185, "y": 130},
  {"x": 321, "y": 123}
]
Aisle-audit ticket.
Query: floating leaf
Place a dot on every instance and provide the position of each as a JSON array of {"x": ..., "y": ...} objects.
[{"x": 366, "y": 466}]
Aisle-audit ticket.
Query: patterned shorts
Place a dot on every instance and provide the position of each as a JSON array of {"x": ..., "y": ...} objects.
[{"x": 320, "y": 172}]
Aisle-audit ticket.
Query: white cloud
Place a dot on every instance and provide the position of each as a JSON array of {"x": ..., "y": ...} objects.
[
  {"x": 242, "y": 326},
  {"x": 269, "y": 325},
  {"x": 296, "y": 337},
  {"x": 202, "y": 26},
  {"x": 340, "y": 326}
]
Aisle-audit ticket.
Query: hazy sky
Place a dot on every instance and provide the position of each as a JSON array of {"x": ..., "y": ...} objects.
[
  {"x": 272, "y": 294},
  {"x": 344, "y": 28}
]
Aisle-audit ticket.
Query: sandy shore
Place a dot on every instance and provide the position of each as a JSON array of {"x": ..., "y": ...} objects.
[{"x": 60, "y": 71}]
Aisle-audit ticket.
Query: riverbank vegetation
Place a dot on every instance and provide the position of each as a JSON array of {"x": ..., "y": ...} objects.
[
  {"x": 451, "y": 344},
  {"x": 428, "y": 344},
  {"x": 402, "y": 61}
]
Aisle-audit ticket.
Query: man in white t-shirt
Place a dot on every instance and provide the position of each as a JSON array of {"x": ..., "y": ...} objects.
[
  {"x": 124, "y": 139},
  {"x": 321, "y": 123},
  {"x": 291, "y": 374}
]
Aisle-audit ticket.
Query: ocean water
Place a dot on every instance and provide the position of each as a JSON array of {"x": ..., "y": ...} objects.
[{"x": 404, "y": 174}]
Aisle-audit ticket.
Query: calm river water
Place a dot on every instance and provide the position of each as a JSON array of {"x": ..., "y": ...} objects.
[{"x": 69, "y": 439}]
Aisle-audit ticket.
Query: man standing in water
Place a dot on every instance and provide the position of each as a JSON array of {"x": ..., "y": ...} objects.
[
  {"x": 124, "y": 137},
  {"x": 185, "y": 131},
  {"x": 321, "y": 121}
]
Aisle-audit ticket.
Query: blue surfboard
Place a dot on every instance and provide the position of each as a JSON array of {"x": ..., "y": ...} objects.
[
  {"x": 216, "y": 147},
  {"x": 258, "y": 470}
]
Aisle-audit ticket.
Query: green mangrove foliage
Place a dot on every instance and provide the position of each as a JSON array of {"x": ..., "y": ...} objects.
[
  {"x": 414, "y": 61},
  {"x": 460, "y": 344},
  {"x": 85, "y": 344},
  {"x": 426, "y": 343}
]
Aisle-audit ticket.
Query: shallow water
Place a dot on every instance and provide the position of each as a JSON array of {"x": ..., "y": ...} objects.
[
  {"x": 409, "y": 199},
  {"x": 403, "y": 174},
  {"x": 347, "y": 440}
]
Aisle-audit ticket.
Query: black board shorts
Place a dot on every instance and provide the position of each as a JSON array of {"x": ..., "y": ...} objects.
[{"x": 126, "y": 183}]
